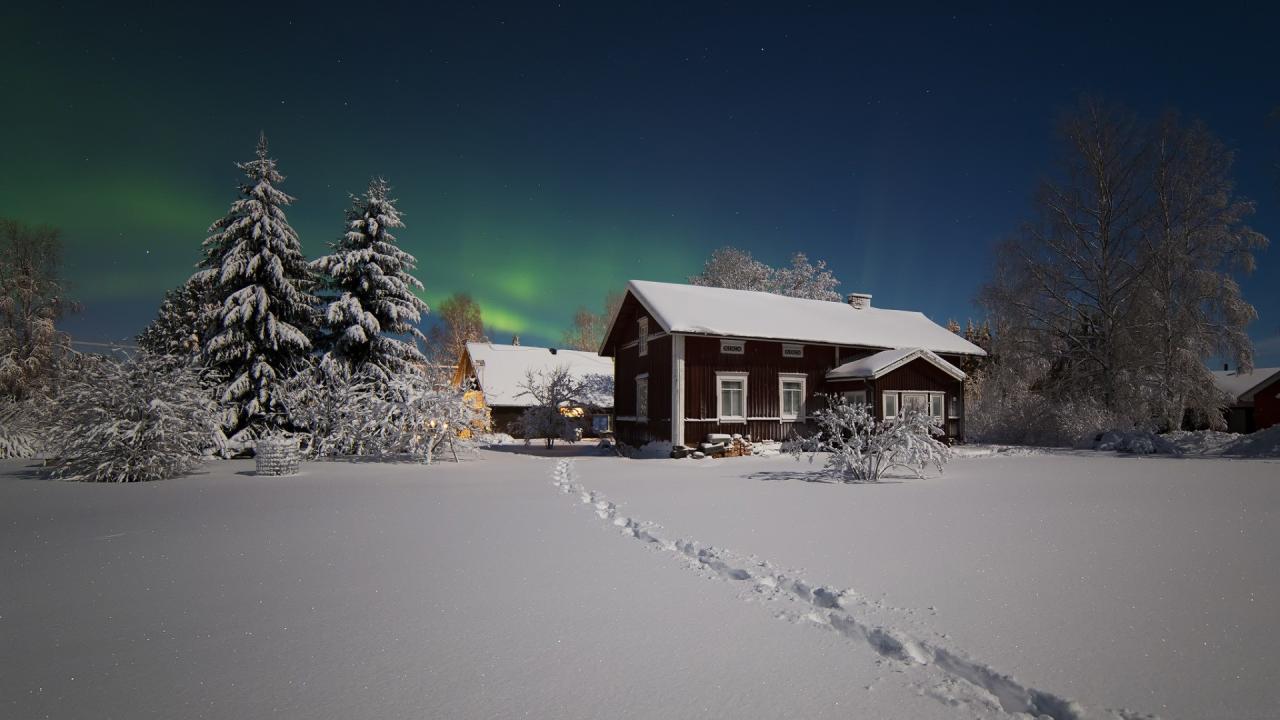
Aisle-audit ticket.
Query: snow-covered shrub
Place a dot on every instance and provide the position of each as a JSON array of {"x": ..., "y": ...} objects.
[
  {"x": 553, "y": 390},
  {"x": 1137, "y": 442},
  {"x": 371, "y": 416},
  {"x": 131, "y": 421},
  {"x": 18, "y": 436},
  {"x": 862, "y": 449}
]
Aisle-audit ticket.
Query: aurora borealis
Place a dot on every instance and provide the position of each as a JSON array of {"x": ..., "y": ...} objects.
[{"x": 544, "y": 153}]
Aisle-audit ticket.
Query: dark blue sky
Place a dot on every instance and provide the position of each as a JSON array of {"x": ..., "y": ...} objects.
[{"x": 546, "y": 152}]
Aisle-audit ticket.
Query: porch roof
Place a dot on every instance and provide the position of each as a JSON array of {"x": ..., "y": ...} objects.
[{"x": 886, "y": 361}]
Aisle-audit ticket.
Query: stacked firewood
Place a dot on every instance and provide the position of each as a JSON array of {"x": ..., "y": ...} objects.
[{"x": 716, "y": 445}]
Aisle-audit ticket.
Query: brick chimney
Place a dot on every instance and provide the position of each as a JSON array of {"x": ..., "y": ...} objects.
[{"x": 859, "y": 301}]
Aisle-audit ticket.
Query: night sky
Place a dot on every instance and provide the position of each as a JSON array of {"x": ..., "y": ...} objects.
[{"x": 544, "y": 153}]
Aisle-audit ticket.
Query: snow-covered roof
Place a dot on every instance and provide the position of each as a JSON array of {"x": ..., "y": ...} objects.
[
  {"x": 1241, "y": 386},
  {"x": 501, "y": 370},
  {"x": 748, "y": 314},
  {"x": 886, "y": 361}
]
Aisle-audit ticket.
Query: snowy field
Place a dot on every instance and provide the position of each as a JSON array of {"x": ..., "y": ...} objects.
[{"x": 1067, "y": 584}]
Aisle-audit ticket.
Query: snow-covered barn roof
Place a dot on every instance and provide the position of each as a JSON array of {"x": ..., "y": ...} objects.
[
  {"x": 747, "y": 314},
  {"x": 886, "y": 361},
  {"x": 1241, "y": 386},
  {"x": 501, "y": 370}
]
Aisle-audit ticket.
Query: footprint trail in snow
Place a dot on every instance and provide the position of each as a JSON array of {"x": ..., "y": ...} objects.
[{"x": 948, "y": 675}]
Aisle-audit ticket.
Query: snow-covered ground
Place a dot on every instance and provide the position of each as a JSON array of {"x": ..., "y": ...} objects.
[{"x": 1070, "y": 584}]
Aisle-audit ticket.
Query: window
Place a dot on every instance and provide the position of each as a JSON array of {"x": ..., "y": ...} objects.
[
  {"x": 936, "y": 402},
  {"x": 643, "y": 336},
  {"x": 642, "y": 397},
  {"x": 915, "y": 402},
  {"x": 890, "y": 405},
  {"x": 855, "y": 397},
  {"x": 731, "y": 400},
  {"x": 955, "y": 406},
  {"x": 791, "y": 396}
]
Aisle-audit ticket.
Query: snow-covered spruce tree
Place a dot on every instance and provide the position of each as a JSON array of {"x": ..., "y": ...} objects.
[
  {"x": 125, "y": 422},
  {"x": 551, "y": 391},
  {"x": 369, "y": 289},
  {"x": 259, "y": 281},
  {"x": 862, "y": 449},
  {"x": 175, "y": 332}
]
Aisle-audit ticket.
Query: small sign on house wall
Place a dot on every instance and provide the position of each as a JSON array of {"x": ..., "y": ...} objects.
[
  {"x": 733, "y": 347},
  {"x": 792, "y": 351}
]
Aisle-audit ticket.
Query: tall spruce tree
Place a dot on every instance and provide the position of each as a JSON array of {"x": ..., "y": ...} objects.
[
  {"x": 369, "y": 291},
  {"x": 258, "y": 280}
]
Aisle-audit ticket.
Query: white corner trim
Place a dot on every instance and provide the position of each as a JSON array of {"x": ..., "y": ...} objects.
[{"x": 677, "y": 389}]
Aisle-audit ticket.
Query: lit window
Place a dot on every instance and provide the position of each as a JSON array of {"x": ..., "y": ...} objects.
[
  {"x": 644, "y": 336},
  {"x": 732, "y": 397},
  {"x": 890, "y": 405},
  {"x": 791, "y": 396},
  {"x": 642, "y": 397}
]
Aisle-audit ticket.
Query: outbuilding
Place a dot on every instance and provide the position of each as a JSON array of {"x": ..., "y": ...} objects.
[
  {"x": 691, "y": 361},
  {"x": 1254, "y": 398},
  {"x": 498, "y": 373}
]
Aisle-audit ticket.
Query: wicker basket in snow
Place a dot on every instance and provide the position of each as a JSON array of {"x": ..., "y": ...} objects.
[{"x": 277, "y": 456}]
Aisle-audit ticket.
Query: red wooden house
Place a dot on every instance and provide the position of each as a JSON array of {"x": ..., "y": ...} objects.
[
  {"x": 690, "y": 360},
  {"x": 1254, "y": 398}
]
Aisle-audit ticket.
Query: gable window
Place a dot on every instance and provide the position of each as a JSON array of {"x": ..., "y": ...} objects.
[
  {"x": 890, "y": 405},
  {"x": 642, "y": 397},
  {"x": 643, "y": 339},
  {"x": 731, "y": 396},
  {"x": 791, "y": 396}
]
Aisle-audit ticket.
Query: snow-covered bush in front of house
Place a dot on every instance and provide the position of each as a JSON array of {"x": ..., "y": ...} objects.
[
  {"x": 18, "y": 437},
  {"x": 552, "y": 391},
  {"x": 1136, "y": 442},
  {"x": 370, "y": 415},
  {"x": 861, "y": 448},
  {"x": 126, "y": 422}
]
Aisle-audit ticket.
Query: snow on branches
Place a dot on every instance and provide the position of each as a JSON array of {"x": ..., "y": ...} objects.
[
  {"x": 258, "y": 278},
  {"x": 863, "y": 449},
  {"x": 552, "y": 391},
  {"x": 132, "y": 421},
  {"x": 735, "y": 269},
  {"x": 370, "y": 415},
  {"x": 18, "y": 429},
  {"x": 369, "y": 287}
]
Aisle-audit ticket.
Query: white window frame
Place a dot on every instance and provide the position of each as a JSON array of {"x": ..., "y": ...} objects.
[
  {"x": 642, "y": 380},
  {"x": 722, "y": 376},
  {"x": 642, "y": 336},
  {"x": 783, "y": 379},
  {"x": 941, "y": 398},
  {"x": 885, "y": 397}
]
